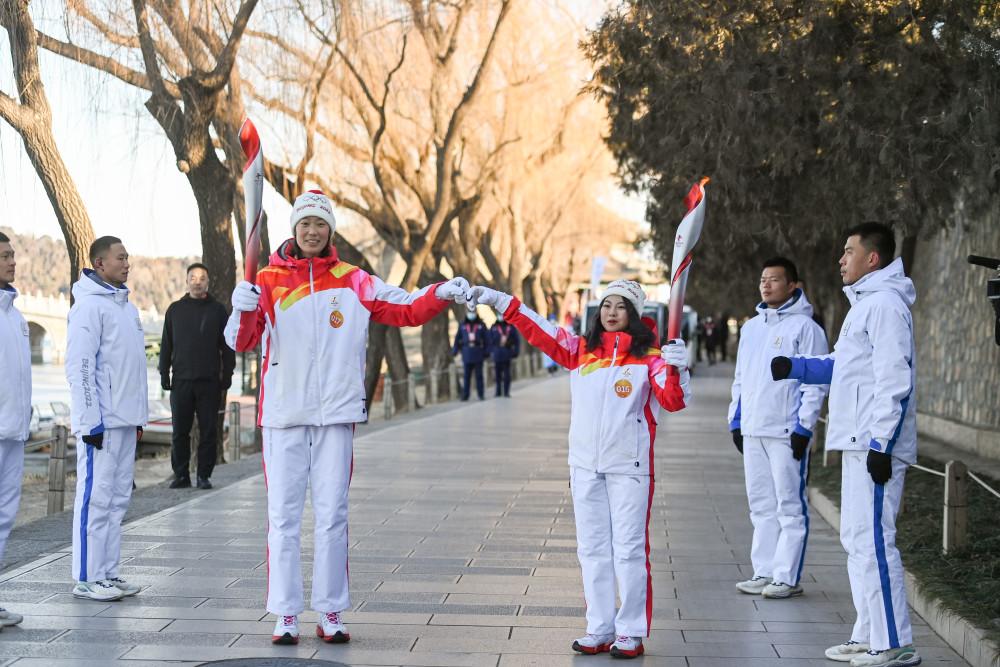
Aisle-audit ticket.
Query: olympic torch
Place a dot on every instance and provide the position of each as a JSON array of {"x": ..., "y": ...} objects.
[
  {"x": 687, "y": 236},
  {"x": 253, "y": 195}
]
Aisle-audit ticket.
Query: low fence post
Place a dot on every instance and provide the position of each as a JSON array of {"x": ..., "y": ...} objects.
[
  {"x": 453, "y": 381},
  {"x": 234, "y": 432},
  {"x": 57, "y": 470},
  {"x": 956, "y": 485},
  {"x": 432, "y": 390},
  {"x": 411, "y": 392},
  {"x": 386, "y": 396}
]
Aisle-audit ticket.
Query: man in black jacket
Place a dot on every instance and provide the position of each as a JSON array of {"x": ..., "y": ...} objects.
[{"x": 203, "y": 364}]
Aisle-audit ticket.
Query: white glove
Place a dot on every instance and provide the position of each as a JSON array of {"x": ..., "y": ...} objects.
[
  {"x": 246, "y": 296},
  {"x": 456, "y": 289},
  {"x": 484, "y": 296},
  {"x": 675, "y": 353}
]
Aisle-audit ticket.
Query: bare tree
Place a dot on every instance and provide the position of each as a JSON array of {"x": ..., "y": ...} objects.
[{"x": 31, "y": 117}]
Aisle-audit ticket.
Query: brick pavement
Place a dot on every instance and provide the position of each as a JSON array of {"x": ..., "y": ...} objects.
[{"x": 462, "y": 553}]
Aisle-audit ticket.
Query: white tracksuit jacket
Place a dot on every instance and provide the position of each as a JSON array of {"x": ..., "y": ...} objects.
[
  {"x": 105, "y": 358},
  {"x": 611, "y": 436},
  {"x": 760, "y": 407},
  {"x": 872, "y": 375},
  {"x": 106, "y": 369},
  {"x": 15, "y": 369},
  {"x": 767, "y": 413}
]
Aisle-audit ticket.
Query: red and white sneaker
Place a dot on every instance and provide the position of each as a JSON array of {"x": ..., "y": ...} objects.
[
  {"x": 331, "y": 630},
  {"x": 286, "y": 631},
  {"x": 594, "y": 643},
  {"x": 627, "y": 647}
]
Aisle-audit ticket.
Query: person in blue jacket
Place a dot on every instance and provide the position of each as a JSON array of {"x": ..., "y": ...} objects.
[
  {"x": 472, "y": 340},
  {"x": 505, "y": 345}
]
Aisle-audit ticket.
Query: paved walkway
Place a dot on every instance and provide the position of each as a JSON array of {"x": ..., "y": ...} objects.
[{"x": 462, "y": 553}]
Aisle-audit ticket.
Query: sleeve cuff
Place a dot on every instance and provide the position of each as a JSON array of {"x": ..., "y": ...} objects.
[
  {"x": 798, "y": 368},
  {"x": 879, "y": 445},
  {"x": 802, "y": 430},
  {"x": 734, "y": 424}
]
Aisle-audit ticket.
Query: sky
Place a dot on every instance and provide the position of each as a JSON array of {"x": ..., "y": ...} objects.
[{"x": 122, "y": 164}]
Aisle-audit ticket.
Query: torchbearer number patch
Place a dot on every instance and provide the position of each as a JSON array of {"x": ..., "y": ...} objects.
[
  {"x": 336, "y": 319},
  {"x": 623, "y": 388}
]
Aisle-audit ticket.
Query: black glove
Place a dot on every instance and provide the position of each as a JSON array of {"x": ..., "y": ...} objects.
[
  {"x": 227, "y": 382},
  {"x": 879, "y": 466},
  {"x": 780, "y": 367},
  {"x": 738, "y": 439},
  {"x": 165, "y": 382},
  {"x": 138, "y": 433},
  {"x": 800, "y": 443},
  {"x": 996, "y": 307},
  {"x": 96, "y": 441}
]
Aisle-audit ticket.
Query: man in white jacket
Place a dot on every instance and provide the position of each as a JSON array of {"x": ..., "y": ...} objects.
[
  {"x": 106, "y": 370},
  {"x": 872, "y": 375},
  {"x": 772, "y": 425},
  {"x": 15, "y": 402}
]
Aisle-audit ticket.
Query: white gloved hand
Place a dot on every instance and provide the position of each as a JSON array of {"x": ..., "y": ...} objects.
[
  {"x": 456, "y": 289},
  {"x": 485, "y": 296},
  {"x": 675, "y": 353},
  {"x": 246, "y": 296}
]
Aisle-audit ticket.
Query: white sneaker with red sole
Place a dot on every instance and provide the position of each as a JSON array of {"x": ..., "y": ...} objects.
[
  {"x": 286, "y": 631},
  {"x": 331, "y": 630},
  {"x": 627, "y": 647},
  {"x": 594, "y": 643}
]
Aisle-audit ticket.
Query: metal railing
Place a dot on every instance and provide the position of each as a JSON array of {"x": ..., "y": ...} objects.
[{"x": 956, "y": 499}]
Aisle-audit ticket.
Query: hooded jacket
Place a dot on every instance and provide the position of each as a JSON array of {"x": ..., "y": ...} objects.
[
  {"x": 312, "y": 324},
  {"x": 872, "y": 371},
  {"x": 105, "y": 358},
  {"x": 761, "y": 407},
  {"x": 15, "y": 369},
  {"x": 612, "y": 425}
]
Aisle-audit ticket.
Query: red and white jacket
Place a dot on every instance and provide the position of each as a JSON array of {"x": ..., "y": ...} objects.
[
  {"x": 312, "y": 323},
  {"x": 612, "y": 424}
]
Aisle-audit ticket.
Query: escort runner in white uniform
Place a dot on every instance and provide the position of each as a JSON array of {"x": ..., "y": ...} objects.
[
  {"x": 106, "y": 370},
  {"x": 772, "y": 425},
  {"x": 872, "y": 377},
  {"x": 15, "y": 402}
]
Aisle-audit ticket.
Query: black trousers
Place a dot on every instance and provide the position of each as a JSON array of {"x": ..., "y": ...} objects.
[
  {"x": 476, "y": 368},
  {"x": 188, "y": 398},
  {"x": 503, "y": 378}
]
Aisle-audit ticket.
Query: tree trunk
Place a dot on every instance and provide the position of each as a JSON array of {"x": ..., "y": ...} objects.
[{"x": 435, "y": 345}]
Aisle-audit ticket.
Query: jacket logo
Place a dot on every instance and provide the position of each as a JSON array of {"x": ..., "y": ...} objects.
[
  {"x": 24, "y": 328},
  {"x": 623, "y": 388},
  {"x": 777, "y": 342},
  {"x": 847, "y": 325},
  {"x": 138, "y": 324},
  {"x": 334, "y": 302},
  {"x": 336, "y": 319}
]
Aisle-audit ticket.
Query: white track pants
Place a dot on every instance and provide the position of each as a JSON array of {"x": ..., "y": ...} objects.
[
  {"x": 868, "y": 533},
  {"x": 612, "y": 535},
  {"x": 103, "y": 490},
  {"x": 322, "y": 457},
  {"x": 11, "y": 468},
  {"x": 779, "y": 511}
]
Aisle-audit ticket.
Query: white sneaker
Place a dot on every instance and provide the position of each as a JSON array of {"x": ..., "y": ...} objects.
[
  {"x": 8, "y": 618},
  {"x": 125, "y": 587},
  {"x": 777, "y": 590},
  {"x": 594, "y": 643},
  {"x": 905, "y": 656},
  {"x": 286, "y": 630},
  {"x": 847, "y": 651},
  {"x": 753, "y": 586},
  {"x": 627, "y": 647},
  {"x": 102, "y": 591},
  {"x": 330, "y": 629}
]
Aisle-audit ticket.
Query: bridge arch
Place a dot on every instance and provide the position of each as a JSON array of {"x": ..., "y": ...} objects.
[{"x": 36, "y": 335}]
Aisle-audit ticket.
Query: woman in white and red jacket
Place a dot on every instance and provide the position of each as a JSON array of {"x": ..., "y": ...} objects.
[
  {"x": 616, "y": 371},
  {"x": 310, "y": 312}
]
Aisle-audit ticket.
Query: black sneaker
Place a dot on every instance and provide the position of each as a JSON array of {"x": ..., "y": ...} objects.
[
  {"x": 182, "y": 483},
  {"x": 203, "y": 483}
]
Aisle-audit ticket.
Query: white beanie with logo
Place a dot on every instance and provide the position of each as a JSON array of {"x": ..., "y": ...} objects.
[
  {"x": 313, "y": 202},
  {"x": 628, "y": 290}
]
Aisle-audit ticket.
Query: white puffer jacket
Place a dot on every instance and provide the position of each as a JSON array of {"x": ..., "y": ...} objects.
[{"x": 15, "y": 369}]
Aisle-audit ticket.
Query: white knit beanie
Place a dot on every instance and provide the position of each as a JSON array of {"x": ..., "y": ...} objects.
[
  {"x": 627, "y": 289},
  {"x": 313, "y": 202}
]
